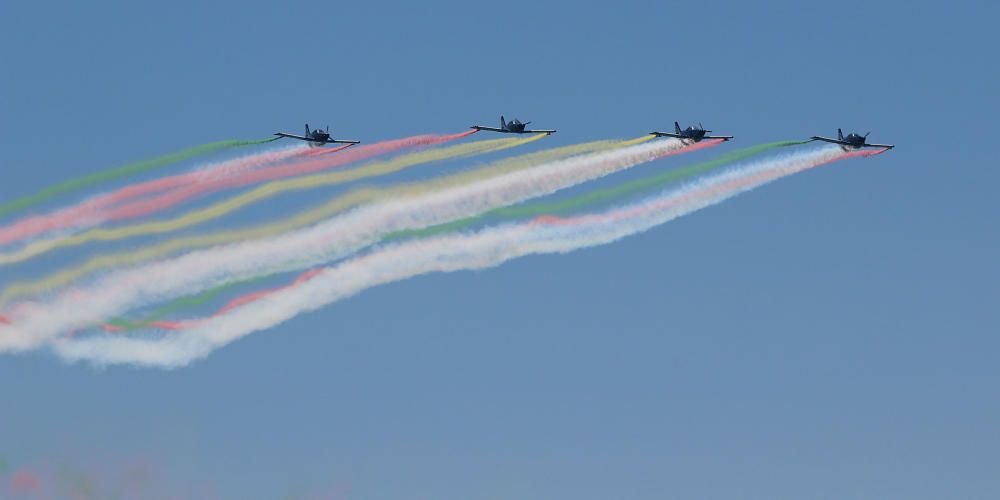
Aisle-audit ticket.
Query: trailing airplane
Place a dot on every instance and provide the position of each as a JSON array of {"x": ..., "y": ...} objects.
[
  {"x": 512, "y": 127},
  {"x": 852, "y": 141},
  {"x": 691, "y": 134},
  {"x": 316, "y": 138}
]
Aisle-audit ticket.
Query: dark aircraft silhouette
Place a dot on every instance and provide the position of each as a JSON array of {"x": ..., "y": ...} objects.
[
  {"x": 513, "y": 127},
  {"x": 852, "y": 141},
  {"x": 691, "y": 134},
  {"x": 316, "y": 138}
]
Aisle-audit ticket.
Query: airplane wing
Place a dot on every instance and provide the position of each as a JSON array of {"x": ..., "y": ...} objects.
[
  {"x": 341, "y": 141},
  {"x": 827, "y": 139},
  {"x": 539, "y": 132},
  {"x": 293, "y": 136},
  {"x": 491, "y": 129},
  {"x": 886, "y": 146},
  {"x": 723, "y": 137}
]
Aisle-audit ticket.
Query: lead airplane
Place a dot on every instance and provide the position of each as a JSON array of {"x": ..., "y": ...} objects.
[
  {"x": 852, "y": 141},
  {"x": 316, "y": 138},
  {"x": 513, "y": 127},
  {"x": 691, "y": 134}
]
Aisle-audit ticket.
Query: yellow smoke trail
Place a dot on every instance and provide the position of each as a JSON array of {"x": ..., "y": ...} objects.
[
  {"x": 637, "y": 140},
  {"x": 262, "y": 192},
  {"x": 308, "y": 217}
]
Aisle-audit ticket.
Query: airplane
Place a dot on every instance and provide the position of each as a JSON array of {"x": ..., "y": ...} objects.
[
  {"x": 316, "y": 138},
  {"x": 513, "y": 127},
  {"x": 852, "y": 141},
  {"x": 691, "y": 134}
]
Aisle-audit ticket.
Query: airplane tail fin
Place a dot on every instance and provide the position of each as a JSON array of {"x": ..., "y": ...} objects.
[
  {"x": 307, "y": 130},
  {"x": 677, "y": 127},
  {"x": 503, "y": 123},
  {"x": 840, "y": 134}
]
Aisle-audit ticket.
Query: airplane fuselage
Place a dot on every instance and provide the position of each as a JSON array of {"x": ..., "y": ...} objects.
[
  {"x": 854, "y": 141},
  {"x": 514, "y": 126},
  {"x": 693, "y": 134},
  {"x": 318, "y": 139}
]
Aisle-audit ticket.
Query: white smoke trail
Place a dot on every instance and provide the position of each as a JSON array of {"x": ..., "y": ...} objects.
[
  {"x": 486, "y": 248},
  {"x": 37, "y": 322}
]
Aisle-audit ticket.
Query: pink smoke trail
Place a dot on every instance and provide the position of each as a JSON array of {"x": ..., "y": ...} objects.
[
  {"x": 233, "y": 173},
  {"x": 90, "y": 210},
  {"x": 232, "y": 304},
  {"x": 24, "y": 481},
  {"x": 324, "y": 151},
  {"x": 171, "y": 198}
]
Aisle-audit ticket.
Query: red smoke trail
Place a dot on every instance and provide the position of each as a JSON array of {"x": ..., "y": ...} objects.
[
  {"x": 694, "y": 147},
  {"x": 308, "y": 166},
  {"x": 233, "y": 173}
]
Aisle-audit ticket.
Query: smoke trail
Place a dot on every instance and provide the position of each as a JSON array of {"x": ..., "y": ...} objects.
[
  {"x": 176, "y": 196},
  {"x": 25, "y": 482},
  {"x": 487, "y": 248},
  {"x": 604, "y": 195},
  {"x": 313, "y": 216},
  {"x": 497, "y": 168},
  {"x": 91, "y": 212},
  {"x": 233, "y": 304},
  {"x": 119, "y": 173},
  {"x": 34, "y": 323},
  {"x": 588, "y": 200}
]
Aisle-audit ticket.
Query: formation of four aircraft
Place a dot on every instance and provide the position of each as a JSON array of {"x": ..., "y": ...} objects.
[{"x": 690, "y": 135}]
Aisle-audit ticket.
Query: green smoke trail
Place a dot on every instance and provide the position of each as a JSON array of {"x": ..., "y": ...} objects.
[
  {"x": 631, "y": 188},
  {"x": 86, "y": 181}
]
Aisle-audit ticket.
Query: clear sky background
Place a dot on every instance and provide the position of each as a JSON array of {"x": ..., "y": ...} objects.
[{"x": 832, "y": 335}]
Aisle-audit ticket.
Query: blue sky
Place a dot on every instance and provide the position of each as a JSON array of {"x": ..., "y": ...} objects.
[{"x": 832, "y": 335}]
